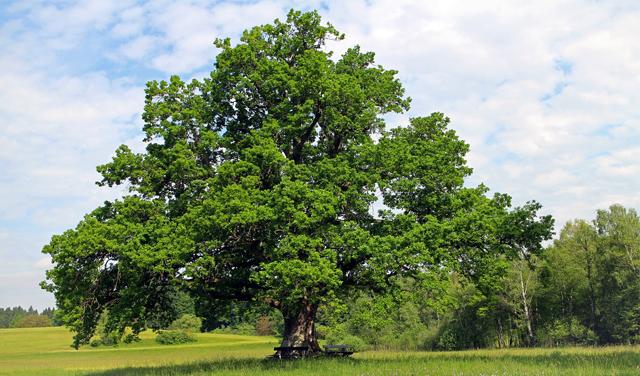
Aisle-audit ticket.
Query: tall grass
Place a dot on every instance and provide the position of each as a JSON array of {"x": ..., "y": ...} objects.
[
  {"x": 617, "y": 361},
  {"x": 46, "y": 351}
]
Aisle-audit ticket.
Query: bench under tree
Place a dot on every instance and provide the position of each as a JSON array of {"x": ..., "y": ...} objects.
[{"x": 296, "y": 352}]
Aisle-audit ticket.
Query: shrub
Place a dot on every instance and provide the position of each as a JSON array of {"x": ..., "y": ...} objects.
[
  {"x": 563, "y": 333},
  {"x": 333, "y": 332},
  {"x": 445, "y": 337},
  {"x": 357, "y": 343},
  {"x": 33, "y": 321},
  {"x": 105, "y": 337},
  {"x": 409, "y": 339},
  {"x": 111, "y": 339},
  {"x": 174, "y": 337},
  {"x": 187, "y": 323},
  {"x": 130, "y": 338}
]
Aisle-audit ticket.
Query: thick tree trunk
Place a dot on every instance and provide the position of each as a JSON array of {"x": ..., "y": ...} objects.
[{"x": 299, "y": 328}]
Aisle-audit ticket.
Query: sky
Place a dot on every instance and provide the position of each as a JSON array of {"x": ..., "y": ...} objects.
[{"x": 547, "y": 93}]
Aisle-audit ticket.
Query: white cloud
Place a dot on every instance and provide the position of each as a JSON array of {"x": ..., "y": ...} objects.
[
  {"x": 57, "y": 125},
  {"x": 130, "y": 22},
  {"x": 138, "y": 47},
  {"x": 43, "y": 263},
  {"x": 190, "y": 29},
  {"x": 531, "y": 86}
]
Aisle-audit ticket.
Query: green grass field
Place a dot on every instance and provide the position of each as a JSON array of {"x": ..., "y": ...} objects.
[{"x": 46, "y": 351}]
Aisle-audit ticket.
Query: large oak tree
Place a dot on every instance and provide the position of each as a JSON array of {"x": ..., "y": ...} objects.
[{"x": 258, "y": 183}]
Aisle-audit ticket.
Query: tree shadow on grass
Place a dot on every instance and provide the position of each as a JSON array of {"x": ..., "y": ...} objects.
[
  {"x": 555, "y": 360},
  {"x": 252, "y": 366}
]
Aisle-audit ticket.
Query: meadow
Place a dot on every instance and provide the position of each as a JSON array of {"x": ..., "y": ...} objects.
[{"x": 46, "y": 351}]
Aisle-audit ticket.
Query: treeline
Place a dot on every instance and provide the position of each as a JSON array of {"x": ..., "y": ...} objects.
[
  {"x": 584, "y": 289},
  {"x": 18, "y": 317}
]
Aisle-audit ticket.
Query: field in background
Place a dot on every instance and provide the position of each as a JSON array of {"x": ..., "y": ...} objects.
[{"x": 46, "y": 351}]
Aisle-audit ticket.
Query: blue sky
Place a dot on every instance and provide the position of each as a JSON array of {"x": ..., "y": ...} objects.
[{"x": 546, "y": 93}]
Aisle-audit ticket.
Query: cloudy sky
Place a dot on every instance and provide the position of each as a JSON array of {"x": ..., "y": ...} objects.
[{"x": 546, "y": 92}]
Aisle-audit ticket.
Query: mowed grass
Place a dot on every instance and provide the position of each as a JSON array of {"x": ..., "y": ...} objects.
[{"x": 46, "y": 351}]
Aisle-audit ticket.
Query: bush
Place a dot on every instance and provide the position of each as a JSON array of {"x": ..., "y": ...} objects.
[
  {"x": 563, "y": 333},
  {"x": 409, "y": 339},
  {"x": 187, "y": 323},
  {"x": 105, "y": 337},
  {"x": 131, "y": 338},
  {"x": 175, "y": 337},
  {"x": 357, "y": 343},
  {"x": 446, "y": 337},
  {"x": 33, "y": 321},
  {"x": 111, "y": 339}
]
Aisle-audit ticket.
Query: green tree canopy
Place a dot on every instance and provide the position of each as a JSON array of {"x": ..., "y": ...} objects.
[
  {"x": 592, "y": 275},
  {"x": 257, "y": 184},
  {"x": 33, "y": 321}
]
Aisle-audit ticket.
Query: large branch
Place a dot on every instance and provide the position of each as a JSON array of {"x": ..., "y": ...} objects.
[{"x": 297, "y": 149}]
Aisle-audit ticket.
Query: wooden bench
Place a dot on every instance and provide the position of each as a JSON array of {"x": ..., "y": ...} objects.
[
  {"x": 338, "y": 350},
  {"x": 292, "y": 352}
]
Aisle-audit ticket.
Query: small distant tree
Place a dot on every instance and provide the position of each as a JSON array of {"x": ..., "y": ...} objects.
[
  {"x": 187, "y": 323},
  {"x": 33, "y": 321}
]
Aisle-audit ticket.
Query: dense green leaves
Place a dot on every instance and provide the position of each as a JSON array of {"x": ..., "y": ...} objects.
[{"x": 258, "y": 182}]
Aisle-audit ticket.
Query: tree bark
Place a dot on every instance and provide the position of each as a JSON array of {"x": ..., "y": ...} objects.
[
  {"x": 500, "y": 333},
  {"x": 590, "y": 263},
  {"x": 527, "y": 312},
  {"x": 299, "y": 328}
]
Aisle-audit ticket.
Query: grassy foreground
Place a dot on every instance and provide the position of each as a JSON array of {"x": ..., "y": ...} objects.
[{"x": 46, "y": 351}]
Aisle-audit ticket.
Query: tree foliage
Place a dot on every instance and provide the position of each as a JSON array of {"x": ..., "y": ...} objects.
[
  {"x": 596, "y": 280},
  {"x": 33, "y": 321},
  {"x": 256, "y": 185},
  {"x": 11, "y": 317},
  {"x": 187, "y": 323}
]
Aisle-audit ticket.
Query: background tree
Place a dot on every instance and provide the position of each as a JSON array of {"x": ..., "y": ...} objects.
[
  {"x": 523, "y": 231},
  {"x": 256, "y": 185},
  {"x": 571, "y": 274},
  {"x": 11, "y": 317},
  {"x": 619, "y": 258},
  {"x": 33, "y": 321},
  {"x": 591, "y": 280}
]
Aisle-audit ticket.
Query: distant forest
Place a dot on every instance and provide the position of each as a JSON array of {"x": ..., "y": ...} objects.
[
  {"x": 584, "y": 289},
  {"x": 18, "y": 317}
]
